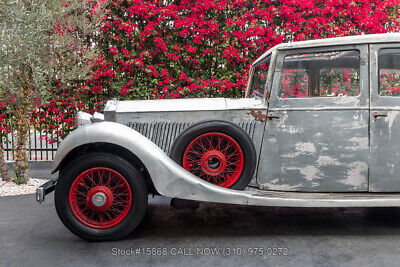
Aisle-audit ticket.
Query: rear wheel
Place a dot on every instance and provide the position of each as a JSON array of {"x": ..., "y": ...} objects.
[
  {"x": 218, "y": 152},
  {"x": 100, "y": 197}
]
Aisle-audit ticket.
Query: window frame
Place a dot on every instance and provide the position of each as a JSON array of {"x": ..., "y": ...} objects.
[
  {"x": 252, "y": 73},
  {"x": 378, "y": 71},
  {"x": 314, "y": 80},
  {"x": 380, "y": 102},
  {"x": 322, "y": 102}
]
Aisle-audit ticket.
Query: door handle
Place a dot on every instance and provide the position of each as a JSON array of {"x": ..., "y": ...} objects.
[
  {"x": 272, "y": 117},
  {"x": 376, "y": 115}
]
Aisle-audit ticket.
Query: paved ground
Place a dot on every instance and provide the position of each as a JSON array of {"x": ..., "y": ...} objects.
[
  {"x": 40, "y": 169},
  {"x": 42, "y": 174},
  {"x": 31, "y": 234}
]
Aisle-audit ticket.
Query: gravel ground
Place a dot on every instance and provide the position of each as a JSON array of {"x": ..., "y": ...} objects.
[{"x": 11, "y": 189}]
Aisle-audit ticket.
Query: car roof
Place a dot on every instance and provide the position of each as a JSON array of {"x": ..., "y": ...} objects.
[{"x": 352, "y": 40}]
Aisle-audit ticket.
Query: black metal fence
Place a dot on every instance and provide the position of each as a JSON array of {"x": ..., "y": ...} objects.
[{"x": 38, "y": 148}]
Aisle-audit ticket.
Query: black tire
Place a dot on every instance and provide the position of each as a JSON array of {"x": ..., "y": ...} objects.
[
  {"x": 224, "y": 127},
  {"x": 134, "y": 179}
]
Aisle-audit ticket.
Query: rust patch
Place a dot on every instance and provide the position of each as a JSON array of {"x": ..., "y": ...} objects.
[
  {"x": 267, "y": 95},
  {"x": 258, "y": 115}
]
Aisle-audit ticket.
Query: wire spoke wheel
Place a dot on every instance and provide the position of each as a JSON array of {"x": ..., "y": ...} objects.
[
  {"x": 100, "y": 198},
  {"x": 214, "y": 157}
]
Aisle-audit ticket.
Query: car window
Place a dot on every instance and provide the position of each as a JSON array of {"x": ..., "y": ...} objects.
[
  {"x": 259, "y": 79},
  {"x": 294, "y": 83},
  {"x": 389, "y": 72},
  {"x": 327, "y": 74},
  {"x": 339, "y": 82}
]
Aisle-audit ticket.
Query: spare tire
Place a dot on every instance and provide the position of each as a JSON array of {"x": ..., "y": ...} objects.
[{"x": 218, "y": 152}]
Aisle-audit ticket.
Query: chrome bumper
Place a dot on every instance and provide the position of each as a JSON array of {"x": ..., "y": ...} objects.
[{"x": 45, "y": 189}]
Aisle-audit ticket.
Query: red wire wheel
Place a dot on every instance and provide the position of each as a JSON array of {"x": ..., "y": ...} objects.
[
  {"x": 214, "y": 157},
  {"x": 100, "y": 198}
]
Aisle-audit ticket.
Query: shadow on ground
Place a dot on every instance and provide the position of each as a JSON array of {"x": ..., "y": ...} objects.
[{"x": 234, "y": 220}]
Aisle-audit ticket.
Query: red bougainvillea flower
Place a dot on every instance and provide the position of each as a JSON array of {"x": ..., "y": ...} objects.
[
  {"x": 164, "y": 49},
  {"x": 113, "y": 50}
]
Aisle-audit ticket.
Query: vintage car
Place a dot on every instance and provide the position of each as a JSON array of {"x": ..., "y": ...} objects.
[{"x": 318, "y": 127}]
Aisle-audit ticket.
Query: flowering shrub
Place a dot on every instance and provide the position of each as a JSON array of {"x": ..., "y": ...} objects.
[
  {"x": 183, "y": 49},
  {"x": 313, "y": 19},
  {"x": 4, "y": 124},
  {"x": 173, "y": 49}
]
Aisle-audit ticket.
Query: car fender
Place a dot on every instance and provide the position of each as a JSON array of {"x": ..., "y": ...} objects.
[
  {"x": 168, "y": 177},
  {"x": 171, "y": 180}
]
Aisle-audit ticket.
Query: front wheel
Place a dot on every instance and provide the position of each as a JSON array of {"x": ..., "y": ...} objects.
[{"x": 100, "y": 197}]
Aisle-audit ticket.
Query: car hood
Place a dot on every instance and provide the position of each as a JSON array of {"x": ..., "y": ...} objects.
[{"x": 188, "y": 104}]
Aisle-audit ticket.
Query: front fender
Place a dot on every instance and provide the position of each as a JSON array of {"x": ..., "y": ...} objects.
[{"x": 168, "y": 177}]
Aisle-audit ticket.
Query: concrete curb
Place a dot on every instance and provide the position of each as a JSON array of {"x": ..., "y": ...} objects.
[{"x": 35, "y": 165}]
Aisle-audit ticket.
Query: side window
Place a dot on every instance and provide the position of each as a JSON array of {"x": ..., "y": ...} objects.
[
  {"x": 339, "y": 82},
  {"x": 325, "y": 74},
  {"x": 259, "y": 79},
  {"x": 294, "y": 83},
  {"x": 389, "y": 72}
]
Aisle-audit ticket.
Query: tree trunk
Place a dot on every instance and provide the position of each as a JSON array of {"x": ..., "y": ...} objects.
[
  {"x": 3, "y": 166},
  {"x": 21, "y": 154},
  {"x": 22, "y": 125}
]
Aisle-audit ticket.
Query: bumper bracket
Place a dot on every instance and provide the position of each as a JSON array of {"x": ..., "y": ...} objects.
[{"x": 45, "y": 189}]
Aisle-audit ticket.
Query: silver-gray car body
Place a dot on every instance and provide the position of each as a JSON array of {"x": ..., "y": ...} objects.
[{"x": 311, "y": 151}]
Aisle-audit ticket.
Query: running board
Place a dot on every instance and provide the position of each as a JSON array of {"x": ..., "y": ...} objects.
[{"x": 256, "y": 197}]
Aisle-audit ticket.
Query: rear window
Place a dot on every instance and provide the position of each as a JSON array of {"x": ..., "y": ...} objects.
[{"x": 389, "y": 72}]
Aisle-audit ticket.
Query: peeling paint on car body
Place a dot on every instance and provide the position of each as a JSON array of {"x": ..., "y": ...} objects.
[
  {"x": 384, "y": 167},
  {"x": 319, "y": 144}
]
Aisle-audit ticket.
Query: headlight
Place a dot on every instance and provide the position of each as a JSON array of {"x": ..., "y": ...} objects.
[
  {"x": 97, "y": 117},
  {"x": 82, "y": 118}
]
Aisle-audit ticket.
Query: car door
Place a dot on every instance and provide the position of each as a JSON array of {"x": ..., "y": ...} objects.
[
  {"x": 317, "y": 139},
  {"x": 384, "y": 118}
]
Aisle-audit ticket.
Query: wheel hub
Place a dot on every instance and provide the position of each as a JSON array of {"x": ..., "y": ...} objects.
[
  {"x": 100, "y": 198},
  {"x": 213, "y": 162}
]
